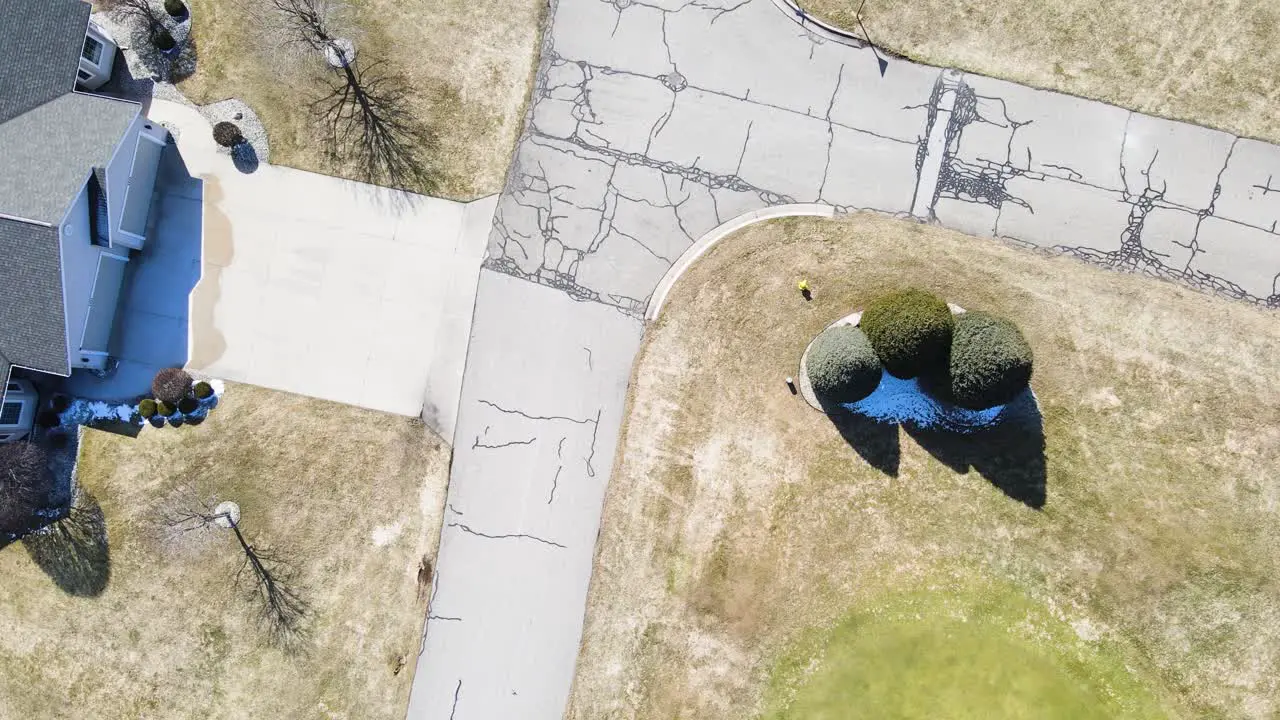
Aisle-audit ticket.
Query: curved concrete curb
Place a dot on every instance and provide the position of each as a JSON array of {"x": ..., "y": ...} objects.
[
  {"x": 802, "y": 18},
  {"x": 713, "y": 236}
]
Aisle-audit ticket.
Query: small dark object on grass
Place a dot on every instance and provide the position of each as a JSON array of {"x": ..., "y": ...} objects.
[
  {"x": 203, "y": 390},
  {"x": 163, "y": 41},
  {"x": 60, "y": 403},
  {"x": 791, "y": 385},
  {"x": 147, "y": 408},
  {"x": 48, "y": 418},
  {"x": 175, "y": 8},
  {"x": 227, "y": 134},
  {"x": 188, "y": 405},
  {"x": 171, "y": 385}
]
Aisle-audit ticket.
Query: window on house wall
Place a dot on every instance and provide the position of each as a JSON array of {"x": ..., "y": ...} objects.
[
  {"x": 92, "y": 50},
  {"x": 10, "y": 414},
  {"x": 98, "y": 222}
]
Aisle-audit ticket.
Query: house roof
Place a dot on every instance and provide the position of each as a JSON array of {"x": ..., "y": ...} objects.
[
  {"x": 40, "y": 44},
  {"x": 49, "y": 150},
  {"x": 51, "y": 138},
  {"x": 33, "y": 329}
]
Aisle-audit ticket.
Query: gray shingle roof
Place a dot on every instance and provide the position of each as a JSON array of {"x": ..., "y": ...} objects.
[
  {"x": 33, "y": 330},
  {"x": 51, "y": 138},
  {"x": 48, "y": 152},
  {"x": 40, "y": 44}
]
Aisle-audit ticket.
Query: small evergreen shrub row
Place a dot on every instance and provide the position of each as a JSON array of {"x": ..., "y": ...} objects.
[{"x": 976, "y": 360}]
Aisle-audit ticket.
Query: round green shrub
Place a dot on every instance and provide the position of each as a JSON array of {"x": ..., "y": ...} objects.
[
  {"x": 842, "y": 366},
  {"x": 227, "y": 134},
  {"x": 163, "y": 41},
  {"x": 165, "y": 409},
  {"x": 147, "y": 408},
  {"x": 48, "y": 419},
  {"x": 188, "y": 405},
  {"x": 910, "y": 331},
  {"x": 175, "y": 8},
  {"x": 171, "y": 385},
  {"x": 60, "y": 403},
  {"x": 203, "y": 390},
  {"x": 990, "y": 361}
]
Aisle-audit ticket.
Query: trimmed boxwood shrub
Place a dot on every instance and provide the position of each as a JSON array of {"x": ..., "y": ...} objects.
[
  {"x": 165, "y": 409},
  {"x": 60, "y": 403},
  {"x": 171, "y": 385},
  {"x": 188, "y": 405},
  {"x": 163, "y": 41},
  {"x": 910, "y": 331},
  {"x": 48, "y": 419},
  {"x": 203, "y": 390},
  {"x": 990, "y": 361},
  {"x": 842, "y": 366},
  {"x": 147, "y": 408},
  {"x": 227, "y": 134}
]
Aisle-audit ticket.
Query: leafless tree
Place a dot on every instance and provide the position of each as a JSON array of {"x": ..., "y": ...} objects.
[
  {"x": 367, "y": 120},
  {"x": 365, "y": 113},
  {"x": 142, "y": 12},
  {"x": 25, "y": 484},
  {"x": 268, "y": 578}
]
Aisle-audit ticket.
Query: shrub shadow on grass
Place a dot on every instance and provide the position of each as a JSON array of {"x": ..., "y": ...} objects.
[
  {"x": 1009, "y": 455},
  {"x": 73, "y": 551},
  {"x": 874, "y": 441}
]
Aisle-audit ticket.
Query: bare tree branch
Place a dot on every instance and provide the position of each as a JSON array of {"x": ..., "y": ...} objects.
[
  {"x": 368, "y": 121},
  {"x": 270, "y": 581},
  {"x": 273, "y": 582}
]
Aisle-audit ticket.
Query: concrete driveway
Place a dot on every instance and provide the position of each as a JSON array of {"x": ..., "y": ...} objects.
[{"x": 331, "y": 288}]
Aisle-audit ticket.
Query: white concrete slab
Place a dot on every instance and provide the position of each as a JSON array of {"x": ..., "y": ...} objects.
[{"x": 542, "y": 403}]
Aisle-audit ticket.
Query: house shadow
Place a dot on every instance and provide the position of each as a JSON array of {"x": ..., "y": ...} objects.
[
  {"x": 1010, "y": 455},
  {"x": 73, "y": 551},
  {"x": 875, "y": 442},
  {"x": 152, "y": 325}
]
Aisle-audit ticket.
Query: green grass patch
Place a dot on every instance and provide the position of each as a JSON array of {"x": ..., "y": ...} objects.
[{"x": 982, "y": 652}]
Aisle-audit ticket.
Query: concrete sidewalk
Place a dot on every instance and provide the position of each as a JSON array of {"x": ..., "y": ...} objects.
[
  {"x": 652, "y": 123},
  {"x": 331, "y": 288}
]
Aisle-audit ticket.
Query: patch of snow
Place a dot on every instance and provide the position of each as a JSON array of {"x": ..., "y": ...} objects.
[
  {"x": 384, "y": 535},
  {"x": 83, "y": 412}
]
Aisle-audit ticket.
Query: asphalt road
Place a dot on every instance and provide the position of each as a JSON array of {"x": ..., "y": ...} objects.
[{"x": 653, "y": 123}]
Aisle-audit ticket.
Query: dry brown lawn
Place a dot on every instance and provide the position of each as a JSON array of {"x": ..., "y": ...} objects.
[
  {"x": 353, "y": 498},
  {"x": 469, "y": 63},
  {"x": 1207, "y": 62},
  {"x": 739, "y": 521}
]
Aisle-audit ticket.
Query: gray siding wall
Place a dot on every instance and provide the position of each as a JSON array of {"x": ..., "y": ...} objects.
[
  {"x": 79, "y": 266},
  {"x": 118, "y": 178}
]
